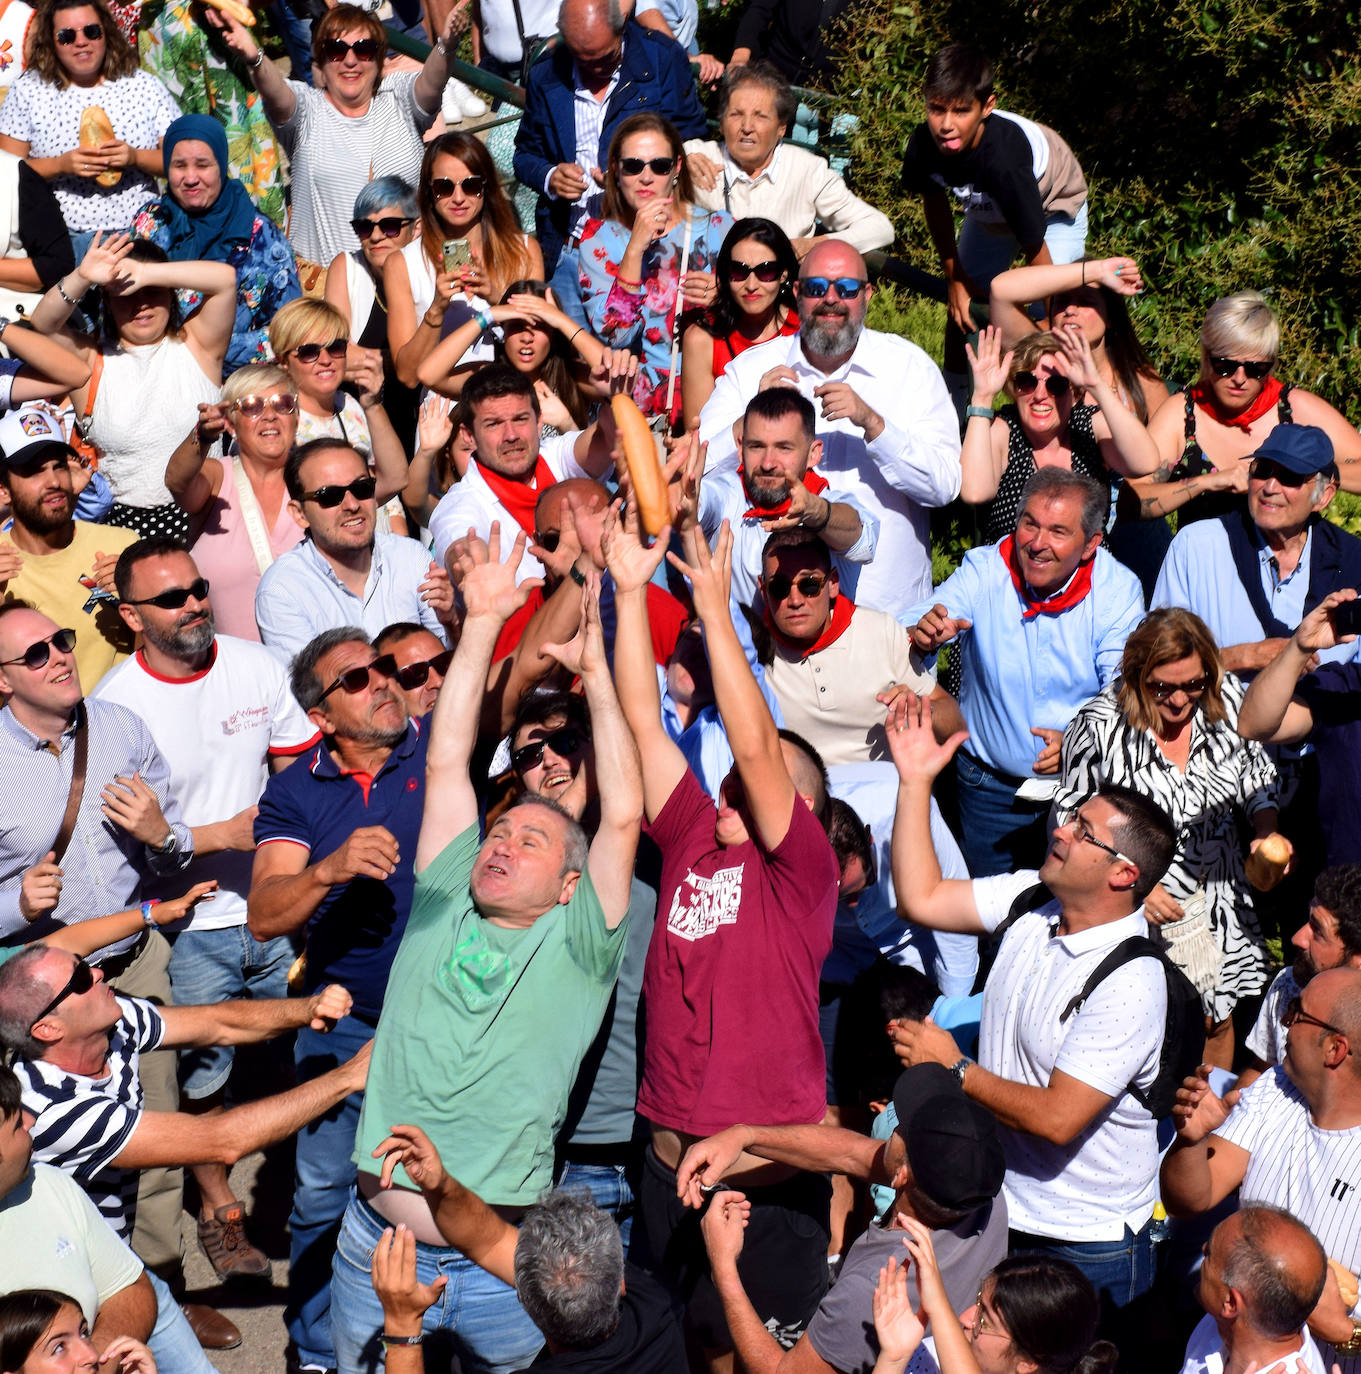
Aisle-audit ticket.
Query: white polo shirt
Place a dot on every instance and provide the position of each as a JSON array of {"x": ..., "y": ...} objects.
[
  {"x": 1266, "y": 1039},
  {"x": 1106, "y": 1178}
]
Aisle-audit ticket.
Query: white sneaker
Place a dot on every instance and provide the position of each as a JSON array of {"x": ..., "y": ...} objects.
[{"x": 460, "y": 102}]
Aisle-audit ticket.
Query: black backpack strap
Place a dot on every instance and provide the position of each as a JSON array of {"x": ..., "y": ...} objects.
[
  {"x": 1027, "y": 900},
  {"x": 1136, "y": 947}
]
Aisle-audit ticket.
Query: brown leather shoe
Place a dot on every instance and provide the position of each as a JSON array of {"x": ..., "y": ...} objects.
[
  {"x": 212, "y": 1330},
  {"x": 222, "y": 1237}
]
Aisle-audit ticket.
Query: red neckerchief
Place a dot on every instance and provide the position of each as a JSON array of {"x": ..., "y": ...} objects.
[
  {"x": 519, "y": 498},
  {"x": 816, "y": 484},
  {"x": 1266, "y": 400},
  {"x": 1078, "y": 587},
  {"x": 843, "y": 608}
]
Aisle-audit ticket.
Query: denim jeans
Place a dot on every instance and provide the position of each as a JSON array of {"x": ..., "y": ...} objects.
[
  {"x": 609, "y": 1187},
  {"x": 986, "y": 252},
  {"x": 324, "y": 1174},
  {"x": 172, "y": 1343},
  {"x": 296, "y": 31},
  {"x": 1120, "y": 1270},
  {"x": 476, "y": 1317},
  {"x": 997, "y": 833},
  {"x": 210, "y": 966}
]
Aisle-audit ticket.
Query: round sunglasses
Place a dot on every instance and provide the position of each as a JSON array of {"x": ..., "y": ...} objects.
[
  {"x": 329, "y": 497},
  {"x": 37, "y": 655},
  {"x": 65, "y": 37},
  {"x": 441, "y": 188},
  {"x": 766, "y": 271},
  {"x": 564, "y": 741},
  {"x": 252, "y": 407},
  {"x": 1027, "y": 383},
  {"x": 1226, "y": 367},
  {"x": 310, "y": 352},
  {"x": 174, "y": 597},
  {"x": 337, "y": 49},
  {"x": 389, "y": 226}
]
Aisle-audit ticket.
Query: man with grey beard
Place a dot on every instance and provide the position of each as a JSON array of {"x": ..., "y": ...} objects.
[
  {"x": 222, "y": 715},
  {"x": 880, "y": 391}
]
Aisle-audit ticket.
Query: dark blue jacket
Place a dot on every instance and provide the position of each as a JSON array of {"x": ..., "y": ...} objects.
[{"x": 654, "y": 75}]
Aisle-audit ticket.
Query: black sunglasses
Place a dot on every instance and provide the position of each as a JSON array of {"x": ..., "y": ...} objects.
[
  {"x": 564, "y": 741},
  {"x": 767, "y": 271},
  {"x": 353, "y": 680},
  {"x": 1226, "y": 367},
  {"x": 174, "y": 597},
  {"x": 1024, "y": 383},
  {"x": 36, "y": 655},
  {"x": 82, "y": 979},
  {"x": 1263, "y": 470},
  {"x": 809, "y": 584},
  {"x": 815, "y": 288},
  {"x": 252, "y": 407},
  {"x": 441, "y": 188},
  {"x": 1295, "y": 1014},
  {"x": 309, "y": 353},
  {"x": 633, "y": 166},
  {"x": 1162, "y": 690},
  {"x": 335, "y": 49},
  {"x": 416, "y": 674},
  {"x": 548, "y": 540},
  {"x": 65, "y": 37},
  {"x": 389, "y": 226},
  {"x": 328, "y": 498}
]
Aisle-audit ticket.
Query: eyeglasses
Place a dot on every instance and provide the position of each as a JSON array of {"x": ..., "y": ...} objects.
[
  {"x": 252, "y": 407},
  {"x": 337, "y": 49},
  {"x": 1082, "y": 833},
  {"x": 1024, "y": 383},
  {"x": 1162, "y": 690},
  {"x": 633, "y": 166},
  {"x": 310, "y": 352},
  {"x": 37, "y": 655},
  {"x": 981, "y": 1325},
  {"x": 1295, "y": 1014},
  {"x": 1264, "y": 470},
  {"x": 563, "y": 742},
  {"x": 328, "y": 498},
  {"x": 416, "y": 674},
  {"x": 389, "y": 226},
  {"x": 815, "y": 288},
  {"x": 767, "y": 271},
  {"x": 353, "y": 680},
  {"x": 174, "y": 597},
  {"x": 65, "y": 37},
  {"x": 441, "y": 188},
  {"x": 1226, "y": 367},
  {"x": 82, "y": 979},
  {"x": 809, "y": 585}
]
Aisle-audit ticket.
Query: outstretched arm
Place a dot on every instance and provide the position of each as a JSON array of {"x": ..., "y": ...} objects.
[
  {"x": 1021, "y": 286},
  {"x": 490, "y": 598}
]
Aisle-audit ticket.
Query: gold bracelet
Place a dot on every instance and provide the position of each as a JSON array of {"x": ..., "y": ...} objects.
[{"x": 1352, "y": 1346}]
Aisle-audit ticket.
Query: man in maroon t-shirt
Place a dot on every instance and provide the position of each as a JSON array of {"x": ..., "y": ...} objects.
[{"x": 749, "y": 893}]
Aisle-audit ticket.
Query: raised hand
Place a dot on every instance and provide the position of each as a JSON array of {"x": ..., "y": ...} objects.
[
  {"x": 898, "y": 1327},
  {"x": 177, "y": 908},
  {"x": 584, "y": 653},
  {"x": 684, "y": 474},
  {"x": 104, "y": 259},
  {"x": 628, "y": 560},
  {"x": 1198, "y": 1112},
  {"x": 559, "y": 560},
  {"x": 912, "y": 743},
  {"x": 437, "y": 591},
  {"x": 364, "y": 368},
  {"x": 1318, "y": 630},
  {"x": 1120, "y": 275},
  {"x": 613, "y": 375},
  {"x": 1076, "y": 359},
  {"x": 434, "y": 423},
  {"x": 710, "y": 575},
  {"x": 489, "y": 587},
  {"x": 988, "y": 365}
]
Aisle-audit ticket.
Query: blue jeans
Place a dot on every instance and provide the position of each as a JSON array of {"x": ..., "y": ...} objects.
[
  {"x": 296, "y": 31},
  {"x": 476, "y": 1317},
  {"x": 172, "y": 1343},
  {"x": 210, "y": 966},
  {"x": 986, "y": 252},
  {"x": 609, "y": 1187},
  {"x": 323, "y": 1177},
  {"x": 1120, "y": 1270},
  {"x": 997, "y": 833}
]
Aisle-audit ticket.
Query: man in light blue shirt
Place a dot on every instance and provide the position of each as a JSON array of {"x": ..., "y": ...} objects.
[
  {"x": 1041, "y": 621},
  {"x": 344, "y": 572}
]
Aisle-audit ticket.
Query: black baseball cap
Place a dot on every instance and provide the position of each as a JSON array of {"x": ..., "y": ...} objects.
[{"x": 953, "y": 1148}]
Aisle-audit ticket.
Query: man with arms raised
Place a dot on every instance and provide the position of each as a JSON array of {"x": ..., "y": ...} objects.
[{"x": 504, "y": 971}]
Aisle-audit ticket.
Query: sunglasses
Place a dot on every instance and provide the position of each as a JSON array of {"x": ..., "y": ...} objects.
[
  {"x": 337, "y": 49},
  {"x": 1226, "y": 367},
  {"x": 815, "y": 288},
  {"x": 1025, "y": 383},
  {"x": 309, "y": 353},
  {"x": 443, "y": 187},
  {"x": 1162, "y": 690},
  {"x": 174, "y": 597},
  {"x": 1295, "y": 1015},
  {"x": 37, "y": 655},
  {"x": 82, "y": 979},
  {"x": 65, "y": 37},
  {"x": 353, "y": 680},
  {"x": 328, "y": 498},
  {"x": 562, "y": 742},
  {"x": 1264, "y": 470},
  {"x": 389, "y": 226},
  {"x": 415, "y": 674},
  {"x": 767, "y": 271},
  {"x": 809, "y": 584},
  {"x": 252, "y": 407},
  {"x": 548, "y": 540},
  {"x": 633, "y": 166}
]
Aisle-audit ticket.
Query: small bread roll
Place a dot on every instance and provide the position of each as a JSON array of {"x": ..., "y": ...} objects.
[
  {"x": 644, "y": 467},
  {"x": 1267, "y": 863}
]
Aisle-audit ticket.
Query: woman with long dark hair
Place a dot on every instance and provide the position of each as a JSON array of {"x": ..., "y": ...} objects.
[
  {"x": 756, "y": 269},
  {"x": 45, "y": 1332}
]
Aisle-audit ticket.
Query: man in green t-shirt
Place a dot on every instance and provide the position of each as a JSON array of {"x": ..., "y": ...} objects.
[{"x": 500, "y": 984}]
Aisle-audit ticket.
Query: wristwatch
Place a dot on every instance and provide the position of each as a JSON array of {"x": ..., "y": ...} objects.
[
  {"x": 1353, "y": 1344},
  {"x": 170, "y": 845},
  {"x": 960, "y": 1068}
]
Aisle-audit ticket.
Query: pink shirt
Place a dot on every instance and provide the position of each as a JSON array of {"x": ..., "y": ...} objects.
[
  {"x": 225, "y": 557},
  {"x": 731, "y": 982}
]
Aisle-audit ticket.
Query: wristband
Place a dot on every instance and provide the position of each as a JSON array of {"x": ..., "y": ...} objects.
[
  {"x": 572, "y": 340},
  {"x": 960, "y": 1067},
  {"x": 979, "y": 412},
  {"x": 61, "y": 291},
  {"x": 577, "y": 575},
  {"x": 389, "y": 1339},
  {"x": 147, "y": 908},
  {"x": 255, "y": 62},
  {"x": 484, "y": 319}
]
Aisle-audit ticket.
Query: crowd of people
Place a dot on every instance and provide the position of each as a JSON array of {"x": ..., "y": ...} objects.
[{"x": 740, "y": 943}]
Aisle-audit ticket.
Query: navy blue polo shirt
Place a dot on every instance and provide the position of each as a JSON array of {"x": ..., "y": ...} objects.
[{"x": 352, "y": 937}]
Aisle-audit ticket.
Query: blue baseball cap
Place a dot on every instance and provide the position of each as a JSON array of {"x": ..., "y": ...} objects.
[{"x": 1301, "y": 449}]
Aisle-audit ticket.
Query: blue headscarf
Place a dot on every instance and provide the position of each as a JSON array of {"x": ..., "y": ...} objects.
[{"x": 211, "y": 234}]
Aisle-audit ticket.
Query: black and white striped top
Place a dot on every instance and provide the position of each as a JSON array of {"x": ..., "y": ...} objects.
[{"x": 82, "y": 1124}]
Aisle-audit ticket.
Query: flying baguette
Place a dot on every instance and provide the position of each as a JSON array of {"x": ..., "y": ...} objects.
[
  {"x": 640, "y": 456},
  {"x": 243, "y": 14}
]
